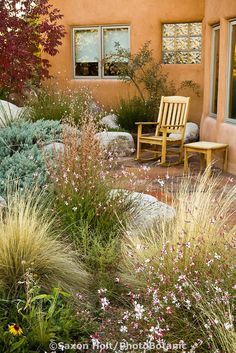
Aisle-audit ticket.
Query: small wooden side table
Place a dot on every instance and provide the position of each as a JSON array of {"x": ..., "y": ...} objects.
[{"x": 206, "y": 150}]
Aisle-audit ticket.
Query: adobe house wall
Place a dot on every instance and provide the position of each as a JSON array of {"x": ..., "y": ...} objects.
[
  {"x": 217, "y": 129},
  {"x": 145, "y": 18}
]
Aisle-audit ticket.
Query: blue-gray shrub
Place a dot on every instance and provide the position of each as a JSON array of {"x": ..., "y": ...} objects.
[{"x": 21, "y": 158}]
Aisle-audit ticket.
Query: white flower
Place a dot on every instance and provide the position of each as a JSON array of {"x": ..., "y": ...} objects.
[
  {"x": 139, "y": 310},
  {"x": 123, "y": 329},
  {"x": 105, "y": 303},
  {"x": 228, "y": 326},
  {"x": 74, "y": 209}
]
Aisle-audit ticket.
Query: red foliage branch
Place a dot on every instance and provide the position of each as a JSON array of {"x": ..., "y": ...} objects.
[{"x": 27, "y": 29}]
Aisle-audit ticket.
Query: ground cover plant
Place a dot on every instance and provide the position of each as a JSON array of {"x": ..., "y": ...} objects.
[{"x": 180, "y": 279}]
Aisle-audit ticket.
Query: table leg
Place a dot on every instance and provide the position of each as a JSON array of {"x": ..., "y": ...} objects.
[
  {"x": 202, "y": 158},
  {"x": 185, "y": 160},
  {"x": 208, "y": 161},
  {"x": 226, "y": 159}
]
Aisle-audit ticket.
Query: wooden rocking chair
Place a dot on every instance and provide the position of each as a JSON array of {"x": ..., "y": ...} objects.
[{"x": 172, "y": 119}]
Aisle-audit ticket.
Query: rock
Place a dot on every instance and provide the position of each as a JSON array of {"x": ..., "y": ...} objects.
[
  {"x": 3, "y": 202},
  {"x": 53, "y": 147},
  {"x": 9, "y": 112},
  {"x": 110, "y": 121},
  {"x": 147, "y": 210},
  {"x": 119, "y": 143},
  {"x": 191, "y": 133}
]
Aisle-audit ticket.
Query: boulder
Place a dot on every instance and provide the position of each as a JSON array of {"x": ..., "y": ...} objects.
[
  {"x": 110, "y": 121},
  {"x": 119, "y": 143},
  {"x": 147, "y": 210},
  {"x": 9, "y": 112},
  {"x": 53, "y": 147},
  {"x": 191, "y": 133}
]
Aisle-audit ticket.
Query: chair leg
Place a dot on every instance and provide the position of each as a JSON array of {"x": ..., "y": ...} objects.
[
  {"x": 181, "y": 153},
  {"x": 163, "y": 152},
  {"x": 185, "y": 161}
]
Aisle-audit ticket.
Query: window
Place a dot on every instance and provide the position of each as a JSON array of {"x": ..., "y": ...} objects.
[
  {"x": 231, "y": 105},
  {"x": 95, "y": 50},
  {"x": 215, "y": 50},
  {"x": 181, "y": 43}
]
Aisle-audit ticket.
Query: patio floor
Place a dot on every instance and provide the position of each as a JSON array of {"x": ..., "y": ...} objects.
[{"x": 163, "y": 182}]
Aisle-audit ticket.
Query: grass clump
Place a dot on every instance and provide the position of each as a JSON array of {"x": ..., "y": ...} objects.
[{"x": 27, "y": 240}]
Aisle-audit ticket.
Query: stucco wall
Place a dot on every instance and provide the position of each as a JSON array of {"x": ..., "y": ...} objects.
[
  {"x": 217, "y": 129},
  {"x": 145, "y": 18}
]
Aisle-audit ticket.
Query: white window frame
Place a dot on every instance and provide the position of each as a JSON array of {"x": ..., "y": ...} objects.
[
  {"x": 101, "y": 50},
  {"x": 214, "y": 29},
  {"x": 232, "y": 23}
]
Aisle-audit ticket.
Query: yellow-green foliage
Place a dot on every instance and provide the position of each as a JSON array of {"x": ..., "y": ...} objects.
[{"x": 27, "y": 241}]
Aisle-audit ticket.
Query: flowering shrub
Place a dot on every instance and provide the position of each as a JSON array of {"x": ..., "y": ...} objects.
[
  {"x": 80, "y": 180},
  {"x": 52, "y": 103},
  {"x": 179, "y": 279}
]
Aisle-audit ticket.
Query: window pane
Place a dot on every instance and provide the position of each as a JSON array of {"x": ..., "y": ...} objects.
[
  {"x": 86, "y": 52},
  {"x": 215, "y": 69},
  {"x": 232, "y": 95},
  {"x": 184, "y": 40},
  {"x": 111, "y": 38}
]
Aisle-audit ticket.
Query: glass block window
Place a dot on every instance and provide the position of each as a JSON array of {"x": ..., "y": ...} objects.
[
  {"x": 94, "y": 50},
  {"x": 181, "y": 43}
]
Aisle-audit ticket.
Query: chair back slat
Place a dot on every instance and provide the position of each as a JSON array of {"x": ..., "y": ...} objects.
[
  {"x": 169, "y": 116},
  {"x": 174, "y": 114},
  {"x": 173, "y": 111}
]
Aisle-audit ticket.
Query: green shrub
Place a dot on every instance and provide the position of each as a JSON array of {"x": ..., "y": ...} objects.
[
  {"x": 149, "y": 78},
  {"x": 55, "y": 104},
  {"x": 131, "y": 111}
]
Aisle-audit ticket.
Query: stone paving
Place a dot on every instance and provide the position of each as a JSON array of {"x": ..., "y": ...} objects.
[{"x": 163, "y": 182}]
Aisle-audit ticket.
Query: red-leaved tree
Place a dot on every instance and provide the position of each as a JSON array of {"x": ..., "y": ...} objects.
[{"x": 28, "y": 28}]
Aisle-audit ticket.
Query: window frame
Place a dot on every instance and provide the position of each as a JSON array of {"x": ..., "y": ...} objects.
[
  {"x": 100, "y": 29},
  {"x": 214, "y": 29},
  {"x": 232, "y": 23}
]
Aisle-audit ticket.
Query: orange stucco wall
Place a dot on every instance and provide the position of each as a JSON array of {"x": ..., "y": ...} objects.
[
  {"x": 218, "y": 129},
  {"x": 145, "y": 18}
]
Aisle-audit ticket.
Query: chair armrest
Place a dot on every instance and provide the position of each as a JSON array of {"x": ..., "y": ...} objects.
[{"x": 146, "y": 123}]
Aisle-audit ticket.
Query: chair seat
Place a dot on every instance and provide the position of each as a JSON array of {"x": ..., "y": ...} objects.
[{"x": 159, "y": 138}]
